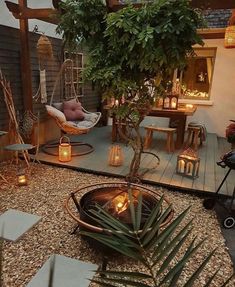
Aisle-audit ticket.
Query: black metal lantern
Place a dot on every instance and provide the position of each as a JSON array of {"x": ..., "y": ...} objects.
[
  {"x": 188, "y": 163},
  {"x": 170, "y": 102}
]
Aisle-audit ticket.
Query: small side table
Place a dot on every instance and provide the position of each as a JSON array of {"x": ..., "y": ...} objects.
[{"x": 19, "y": 148}]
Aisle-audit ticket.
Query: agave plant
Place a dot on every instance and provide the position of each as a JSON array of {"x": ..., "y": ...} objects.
[{"x": 154, "y": 247}]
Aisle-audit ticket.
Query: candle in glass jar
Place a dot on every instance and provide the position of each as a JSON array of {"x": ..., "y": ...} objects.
[
  {"x": 189, "y": 106},
  {"x": 117, "y": 158},
  {"x": 22, "y": 180},
  {"x": 181, "y": 166}
]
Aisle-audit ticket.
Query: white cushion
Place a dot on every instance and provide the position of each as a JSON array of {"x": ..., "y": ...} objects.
[
  {"x": 55, "y": 113},
  {"x": 91, "y": 117},
  {"x": 58, "y": 106},
  {"x": 85, "y": 124},
  {"x": 81, "y": 124}
]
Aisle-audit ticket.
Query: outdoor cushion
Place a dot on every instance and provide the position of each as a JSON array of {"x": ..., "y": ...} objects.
[
  {"x": 58, "y": 106},
  {"x": 81, "y": 124},
  {"x": 73, "y": 110},
  {"x": 92, "y": 117},
  {"x": 85, "y": 124},
  {"x": 55, "y": 113}
]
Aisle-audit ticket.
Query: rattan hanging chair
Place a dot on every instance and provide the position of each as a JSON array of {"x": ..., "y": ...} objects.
[{"x": 70, "y": 127}]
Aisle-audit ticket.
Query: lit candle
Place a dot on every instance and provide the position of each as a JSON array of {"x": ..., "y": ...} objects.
[
  {"x": 189, "y": 106},
  {"x": 117, "y": 158},
  {"x": 22, "y": 180},
  {"x": 116, "y": 103},
  {"x": 120, "y": 205},
  {"x": 64, "y": 150},
  {"x": 181, "y": 166}
]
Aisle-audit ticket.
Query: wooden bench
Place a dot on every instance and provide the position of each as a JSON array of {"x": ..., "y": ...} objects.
[{"x": 170, "y": 146}]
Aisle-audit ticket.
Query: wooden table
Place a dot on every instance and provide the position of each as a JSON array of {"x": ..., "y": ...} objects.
[{"x": 177, "y": 120}]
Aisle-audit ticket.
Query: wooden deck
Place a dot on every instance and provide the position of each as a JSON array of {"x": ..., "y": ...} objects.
[{"x": 210, "y": 175}]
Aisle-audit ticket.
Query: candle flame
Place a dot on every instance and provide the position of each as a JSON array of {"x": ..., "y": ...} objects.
[{"x": 120, "y": 203}]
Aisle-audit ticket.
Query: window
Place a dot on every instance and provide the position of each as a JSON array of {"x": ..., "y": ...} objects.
[
  {"x": 196, "y": 78},
  {"x": 74, "y": 77}
]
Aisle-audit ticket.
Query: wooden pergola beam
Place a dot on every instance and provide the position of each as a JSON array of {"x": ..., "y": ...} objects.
[
  {"x": 25, "y": 61},
  {"x": 45, "y": 14}
]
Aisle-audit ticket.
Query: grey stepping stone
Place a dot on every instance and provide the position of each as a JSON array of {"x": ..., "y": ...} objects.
[
  {"x": 68, "y": 272},
  {"x": 14, "y": 223}
]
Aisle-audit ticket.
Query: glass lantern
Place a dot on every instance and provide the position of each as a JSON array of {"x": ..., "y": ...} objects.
[
  {"x": 115, "y": 156},
  {"x": 22, "y": 179},
  {"x": 170, "y": 102},
  {"x": 64, "y": 149},
  {"x": 188, "y": 163}
]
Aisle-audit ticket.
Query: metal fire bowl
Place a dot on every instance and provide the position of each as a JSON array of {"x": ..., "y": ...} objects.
[{"x": 102, "y": 193}]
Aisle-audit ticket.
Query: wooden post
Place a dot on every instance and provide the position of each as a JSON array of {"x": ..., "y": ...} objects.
[{"x": 25, "y": 61}]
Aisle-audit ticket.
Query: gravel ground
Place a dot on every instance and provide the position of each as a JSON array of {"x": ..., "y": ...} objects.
[{"x": 46, "y": 195}]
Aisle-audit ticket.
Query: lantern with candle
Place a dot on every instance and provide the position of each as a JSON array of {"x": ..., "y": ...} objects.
[
  {"x": 64, "y": 149},
  {"x": 170, "y": 102},
  {"x": 188, "y": 163},
  {"x": 120, "y": 202},
  {"x": 22, "y": 179},
  {"x": 115, "y": 156}
]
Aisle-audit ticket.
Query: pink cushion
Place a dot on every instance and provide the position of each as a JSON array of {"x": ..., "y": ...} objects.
[{"x": 73, "y": 110}]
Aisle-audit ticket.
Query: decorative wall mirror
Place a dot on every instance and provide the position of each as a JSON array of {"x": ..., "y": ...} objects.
[{"x": 196, "y": 78}]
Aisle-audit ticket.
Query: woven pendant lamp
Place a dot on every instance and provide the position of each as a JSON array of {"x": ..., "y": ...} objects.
[{"x": 44, "y": 49}]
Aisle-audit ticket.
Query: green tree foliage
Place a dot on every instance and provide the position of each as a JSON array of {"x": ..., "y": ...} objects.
[{"x": 131, "y": 52}]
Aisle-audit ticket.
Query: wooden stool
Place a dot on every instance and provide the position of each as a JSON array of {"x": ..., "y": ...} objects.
[
  {"x": 170, "y": 146},
  {"x": 193, "y": 137}
]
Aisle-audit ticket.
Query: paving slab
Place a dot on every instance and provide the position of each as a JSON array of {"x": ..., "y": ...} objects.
[
  {"x": 14, "y": 224},
  {"x": 68, "y": 272}
]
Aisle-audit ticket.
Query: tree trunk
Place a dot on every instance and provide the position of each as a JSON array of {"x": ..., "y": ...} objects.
[{"x": 135, "y": 141}]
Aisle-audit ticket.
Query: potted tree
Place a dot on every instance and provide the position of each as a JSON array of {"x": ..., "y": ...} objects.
[{"x": 131, "y": 54}]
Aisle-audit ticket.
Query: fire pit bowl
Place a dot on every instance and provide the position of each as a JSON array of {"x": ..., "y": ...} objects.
[{"x": 113, "y": 197}]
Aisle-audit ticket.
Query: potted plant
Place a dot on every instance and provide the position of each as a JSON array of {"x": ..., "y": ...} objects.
[
  {"x": 230, "y": 134},
  {"x": 131, "y": 54}
]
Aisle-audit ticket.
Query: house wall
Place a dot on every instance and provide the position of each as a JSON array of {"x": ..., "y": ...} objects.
[{"x": 217, "y": 116}]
